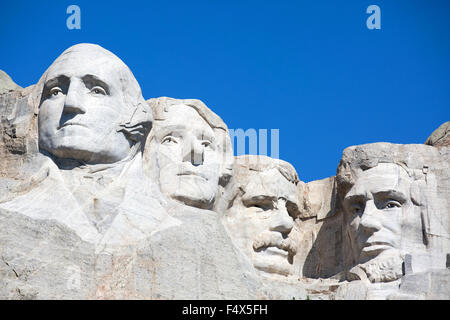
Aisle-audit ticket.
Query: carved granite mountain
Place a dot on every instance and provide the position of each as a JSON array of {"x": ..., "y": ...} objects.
[{"x": 104, "y": 195}]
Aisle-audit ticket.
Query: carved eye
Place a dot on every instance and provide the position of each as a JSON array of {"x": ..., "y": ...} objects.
[
  {"x": 206, "y": 143},
  {"x": 98, "y": 90},
  {"x": 356, "y": 209},
  {"x": 169, "y": 140},
  {"x": 262, "y": 205},
  {"x": 392, "y": 204},
  {"x": 55, "y": 91}
]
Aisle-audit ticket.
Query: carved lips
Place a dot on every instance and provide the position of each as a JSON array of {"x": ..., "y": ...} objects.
[
  {"x": 274, "y": 240},
  {"x": 71, "y": 123},
  {"x": 192, "y": 173}
]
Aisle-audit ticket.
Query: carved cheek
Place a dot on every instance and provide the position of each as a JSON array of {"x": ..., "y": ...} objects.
[
  {"x": 264, "y": 216},
  {"x": 113, "y": 110},
  {"x": 211, "y": 156},
  {"x": 169, "y": 154},
  {"x": 50, "y": 114},
  {"x": 392, "y": 220}
]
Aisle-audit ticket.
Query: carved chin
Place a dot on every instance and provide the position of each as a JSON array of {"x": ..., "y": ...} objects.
[
  {"x": 70, "y": 147},
  {"x": 194, "y": 192},
  {"x": 384, "y": 268},
  {"x": 82, "y": 153},
  {"x": 274, "y": 265},
  {"x": 71, "y": 152}
]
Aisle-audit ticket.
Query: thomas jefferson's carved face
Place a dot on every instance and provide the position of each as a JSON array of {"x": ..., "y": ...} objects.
[
  {"x": 261, "y": 221},
  {"x": 184, "y": 146},
  {"x": 82, "y": 106}
]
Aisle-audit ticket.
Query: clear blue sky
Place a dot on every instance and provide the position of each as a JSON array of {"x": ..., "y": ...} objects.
[{"x": 309, "y": 68}]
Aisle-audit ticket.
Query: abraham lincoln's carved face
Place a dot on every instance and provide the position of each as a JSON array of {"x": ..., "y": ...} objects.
[{"x": 376, "y": 206}]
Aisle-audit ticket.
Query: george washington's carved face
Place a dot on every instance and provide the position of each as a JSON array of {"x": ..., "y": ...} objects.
[{"x": 83, "y": 105}]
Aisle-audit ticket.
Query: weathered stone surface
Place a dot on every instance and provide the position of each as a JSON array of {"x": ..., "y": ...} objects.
[
  {"x": 104, "y": 195},
  {"x": 318, "y": 198},
  {"x": 433, "y": 285},
  {"x": 52, "y": 262},
  {"x": 18, "y": 141},
  {"x": 440, "y": 137},
  {"x": 6, "y": 83}
]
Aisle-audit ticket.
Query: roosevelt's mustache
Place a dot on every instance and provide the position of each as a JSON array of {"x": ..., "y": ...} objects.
[{"x": 274, "y": 239}]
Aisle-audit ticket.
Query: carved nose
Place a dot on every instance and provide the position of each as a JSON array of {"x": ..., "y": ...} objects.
[
  {"x": 73, "y": 102},
  {"x": 281, "y": 220},
  {"x": 194, "y": 153},
  {"x": 369, "y": 220}
]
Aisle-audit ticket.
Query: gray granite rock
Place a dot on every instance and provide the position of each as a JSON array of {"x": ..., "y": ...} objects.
[
  {"x": 6, "y": 83},
  {"x": 104, "y": 195},
  {"x": 441, "y": 136}
]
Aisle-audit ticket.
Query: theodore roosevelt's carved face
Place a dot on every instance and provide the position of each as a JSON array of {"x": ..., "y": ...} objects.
[
  {"x": 261, "y": 220},
  {"x": 187, "y": 156},
  {"x": 82, "y": 106}
]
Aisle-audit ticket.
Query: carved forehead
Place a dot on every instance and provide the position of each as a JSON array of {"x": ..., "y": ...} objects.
[
  {"x": 181, "y": 119},
  {"x": 161, "y": 105},
  {"x": 265, "y": 176},
  {"x": 83, "y": 59},
  {"x": 268, "y": 183},
  {"x": 259, "y": 163},
  {"x": 185, "y": 116},
  {"x": 381, "y": 178}
]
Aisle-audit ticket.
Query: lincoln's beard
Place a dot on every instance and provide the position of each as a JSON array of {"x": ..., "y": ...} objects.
[{"x": 386, "y": 267}]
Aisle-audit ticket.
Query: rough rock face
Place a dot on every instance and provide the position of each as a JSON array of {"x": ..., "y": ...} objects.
[
  {"x": 18, "y": 140},
  {"x": 104, "y": 195},
  {"x": 6, "y": 83},
  {"x": 440, "y": 137}
]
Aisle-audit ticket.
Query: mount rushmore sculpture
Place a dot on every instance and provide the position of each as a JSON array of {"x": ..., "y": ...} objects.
[{"x": 104, "y": 195}]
